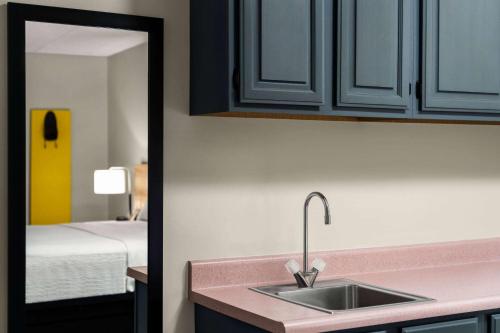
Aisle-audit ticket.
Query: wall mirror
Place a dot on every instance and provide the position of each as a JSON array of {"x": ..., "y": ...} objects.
[{"x": 85, "y": 170}]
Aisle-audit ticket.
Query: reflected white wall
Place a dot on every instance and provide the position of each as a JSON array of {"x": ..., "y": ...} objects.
[
  {"x": 78, "y": 83},
  {"x": 128, "y": 115}
]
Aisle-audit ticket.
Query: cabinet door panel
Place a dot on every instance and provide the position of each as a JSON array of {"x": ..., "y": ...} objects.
[
  {"x": 461, "y": 55},
  {"x": 374, "y": 53},
  {"x": 459, "y": 326},
  {"x": 282, "y": 51},
  {"x": 495, "y": 323}
]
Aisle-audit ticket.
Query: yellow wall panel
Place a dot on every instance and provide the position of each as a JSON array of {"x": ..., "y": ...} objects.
[{"x": 50, "y": 170}]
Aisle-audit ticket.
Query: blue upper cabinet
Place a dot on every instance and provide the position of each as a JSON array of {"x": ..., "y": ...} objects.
[
  {"x": 375, "y": 54},
  {"x": 436, "y": 60},
  {"x": 461, "y": 56},
  {"x": 282, "y": 50}
]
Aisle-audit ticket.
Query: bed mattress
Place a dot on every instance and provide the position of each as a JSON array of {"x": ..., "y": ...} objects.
[{"x": 82, "y": 259}]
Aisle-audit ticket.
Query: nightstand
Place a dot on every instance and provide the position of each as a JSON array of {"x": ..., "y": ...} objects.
[{"x": 140, "y": 274}]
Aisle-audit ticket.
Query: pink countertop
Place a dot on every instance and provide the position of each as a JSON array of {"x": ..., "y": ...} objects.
[{"x": 461, "y": 277}]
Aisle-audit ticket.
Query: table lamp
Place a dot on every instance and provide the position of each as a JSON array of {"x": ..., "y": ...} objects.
[{"x": 115, "y": 180}]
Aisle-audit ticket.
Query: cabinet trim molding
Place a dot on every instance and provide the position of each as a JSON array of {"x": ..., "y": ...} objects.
[{"x": 264, "y": 77}]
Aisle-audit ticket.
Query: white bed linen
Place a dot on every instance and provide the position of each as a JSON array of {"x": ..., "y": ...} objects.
[
  {"x": 133, "y": 235},
  {"x": 64, "y": 263},
  {"x": 82, "y": 259}
]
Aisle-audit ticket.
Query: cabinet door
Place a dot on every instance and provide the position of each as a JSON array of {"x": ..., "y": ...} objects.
[
  {"x": 495, "y": 324},
  {"x": 374, "y": 53},
  {"x": 282, "y": 51},
  {"x": 461, "y": 55},
  {"x": 459, "y": 326},
  {"x": 367, "y": 332}
]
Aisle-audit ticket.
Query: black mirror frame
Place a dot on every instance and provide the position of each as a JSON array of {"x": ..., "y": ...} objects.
[{"x": 18, "y": 14}]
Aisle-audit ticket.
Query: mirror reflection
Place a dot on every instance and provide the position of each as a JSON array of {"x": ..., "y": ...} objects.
[{"x": 87, "y": 171}]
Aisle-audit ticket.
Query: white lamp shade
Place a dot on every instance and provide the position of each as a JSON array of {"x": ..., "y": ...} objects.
[{"x": 110, "y": 181}]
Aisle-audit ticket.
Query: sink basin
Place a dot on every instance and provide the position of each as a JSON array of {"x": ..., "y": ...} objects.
[{"x": 340, "y": 295}]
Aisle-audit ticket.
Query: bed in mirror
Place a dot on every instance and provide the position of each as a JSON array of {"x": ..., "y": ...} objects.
[{"x": 88, "y": 176}]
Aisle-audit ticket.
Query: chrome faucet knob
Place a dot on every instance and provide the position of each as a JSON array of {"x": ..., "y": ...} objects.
[
  {"x": 319, "y": 265},
  {"x": 292, "y": 266}
]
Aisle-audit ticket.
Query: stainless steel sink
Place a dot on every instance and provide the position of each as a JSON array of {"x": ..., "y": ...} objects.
[{"x": 340, "y": 295}]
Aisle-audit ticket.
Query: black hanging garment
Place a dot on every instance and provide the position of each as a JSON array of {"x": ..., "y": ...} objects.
[{"x": 50, "y": 132}]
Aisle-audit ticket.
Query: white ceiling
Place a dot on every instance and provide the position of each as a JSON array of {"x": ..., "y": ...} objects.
[{"x": 80, "y": 40}]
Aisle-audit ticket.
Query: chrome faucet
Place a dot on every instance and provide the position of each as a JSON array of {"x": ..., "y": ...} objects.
[{"x": 306, "y": 277}]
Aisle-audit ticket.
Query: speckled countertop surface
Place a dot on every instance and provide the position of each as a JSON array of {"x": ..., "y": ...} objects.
[{"x": 461, "y": 277}]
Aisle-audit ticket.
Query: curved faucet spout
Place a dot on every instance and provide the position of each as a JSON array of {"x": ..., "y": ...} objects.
[{"x": 306, "y": 227}]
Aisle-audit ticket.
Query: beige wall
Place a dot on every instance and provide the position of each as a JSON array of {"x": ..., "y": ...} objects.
[
  {"x": 80, "y": 84},
  {"x": 128, "y": 114},
  {"x": 235, "y": 187}
]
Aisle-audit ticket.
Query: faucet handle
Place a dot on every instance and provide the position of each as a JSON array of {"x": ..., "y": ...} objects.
[
  {"x": 319, "y": 265},
  {"x": 292, "y": 266}
]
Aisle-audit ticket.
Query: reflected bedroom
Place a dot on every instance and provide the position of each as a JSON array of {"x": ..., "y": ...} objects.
[{"x": 86, "y": 172}]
